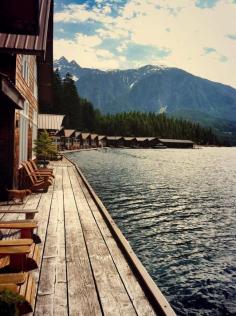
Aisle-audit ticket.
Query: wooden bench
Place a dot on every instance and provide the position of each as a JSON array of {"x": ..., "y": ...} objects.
[
  {"x": 19, "y": 254},
  {"x": 29, "y": 214},
  {"x": 26, "y": 228},
  {"x": 22, "y": 284}
]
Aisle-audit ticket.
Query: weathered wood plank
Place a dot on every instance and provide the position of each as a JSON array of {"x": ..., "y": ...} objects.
[
  {"x": 82, "y": 294},
  {"x": 60, "y": 307},
  {"x": 48, "y": 280},
  {"x": 114, "y": 297}
]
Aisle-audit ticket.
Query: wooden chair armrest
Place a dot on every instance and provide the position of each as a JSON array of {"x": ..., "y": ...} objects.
[
  {"x": 13, "y": 278},
  {"x": 14, "y": 250},
  {"x": 15, "y": 242}
]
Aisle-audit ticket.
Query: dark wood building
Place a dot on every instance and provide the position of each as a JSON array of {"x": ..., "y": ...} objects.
[
  {"x": 25, "y": 81},
  {"x": 130, "y": 142},
  {"x": 176, "y": 143},
  {"x": 115, "y": 141}
]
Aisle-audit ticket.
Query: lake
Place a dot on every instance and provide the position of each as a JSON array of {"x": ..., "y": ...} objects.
[{"x": 177, "y": 209}]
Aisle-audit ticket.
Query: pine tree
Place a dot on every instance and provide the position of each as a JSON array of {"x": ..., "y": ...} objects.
[{"x": 44, "y": 147}]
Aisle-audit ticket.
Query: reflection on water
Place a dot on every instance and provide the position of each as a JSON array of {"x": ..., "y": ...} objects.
[{"x": 177, "y": 209}]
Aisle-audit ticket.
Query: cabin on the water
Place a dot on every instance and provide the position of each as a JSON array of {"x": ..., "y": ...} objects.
[
  {"x": 176, "y": 143},
  {"x": 26, "y": 68}
]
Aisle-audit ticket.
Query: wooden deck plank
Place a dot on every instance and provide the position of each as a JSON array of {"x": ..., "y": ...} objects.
[
  {"x": 114, "y": 297},
  {"x": 60, "y": 307},
  {"x": 47, "y": 300},
  {"x": 140, "y": 301},
  {"x": 82, "y": 293},
  {"x": 82, "y": 271}
]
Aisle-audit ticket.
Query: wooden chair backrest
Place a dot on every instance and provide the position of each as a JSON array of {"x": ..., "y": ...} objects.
[
  {"x": 32, "y": 177},
  {"x": 33, "y": 164}
]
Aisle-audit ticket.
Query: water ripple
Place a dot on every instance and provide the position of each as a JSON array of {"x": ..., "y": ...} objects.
[{"x": 177, "y": 209}]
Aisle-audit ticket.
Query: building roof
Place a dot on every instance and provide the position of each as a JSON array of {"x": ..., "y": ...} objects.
[
  {"x": 85, "y": 135},
  {"x": 77, "y": 134},
  {"x": 29, "y": 44},
  {"x": 93, "y": 136},
  {"x": 129, "y": 138},
  {"x": 101, "y": 137},
  {"x": 181, "y": 141},
  {"x": 50, "y": 121},
  {"x": 9, "y": 91},
  {"x": 114, "y": 137},
  {"x": 69, "y": 132}
]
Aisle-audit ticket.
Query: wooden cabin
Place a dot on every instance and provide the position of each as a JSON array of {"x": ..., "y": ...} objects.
[
  {"x": 77, "y": 141},
  {"x": 52, "y": 123},
  {"x": 130, "y": 142},
  {"x": 176, "y": 143},
  {"x": 142, "y": 142},
  {"x": 85, "y": 140},
  {"x": 94, "y": 140},
  {"x": 115, "y": 141},
  {"x": 69, "y": 137},
  {"x": 26, "y": 68},
  {"x": 146, "y": 142},
  {"x": 102, "y": 141}
]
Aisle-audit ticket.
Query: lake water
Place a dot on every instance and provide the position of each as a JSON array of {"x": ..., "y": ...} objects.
[{"x": 177, "y": 208}]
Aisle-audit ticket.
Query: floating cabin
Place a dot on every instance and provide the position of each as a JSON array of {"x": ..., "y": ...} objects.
[
  {"x": 115, "y": 141},
  {"x": 102, "y": 141},
  {"x": 176, "y": 143},
  {"x": 69, "y": 137},
  {"x": 77, "y": 142},
  {"x": 130, "y": 142},
  {"x": 26, "y": 68},
  {"x": 94, "y": 140},
  {"x": 85, "y": 140},
  {"x": 52, "y": 123}
]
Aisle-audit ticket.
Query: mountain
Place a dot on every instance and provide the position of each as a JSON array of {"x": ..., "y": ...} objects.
[{"x": 157, "y": 89}]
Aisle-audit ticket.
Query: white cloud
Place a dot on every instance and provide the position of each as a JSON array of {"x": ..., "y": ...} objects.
[
  {"x": 178, "y": 26},
  {"x": 83, "y": 50}
]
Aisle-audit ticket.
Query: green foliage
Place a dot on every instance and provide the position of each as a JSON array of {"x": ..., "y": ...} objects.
[
  {"x": 9, "y": 302},
  {"x": 81, "y": 115},
  {"x": 44, "y": 147}
]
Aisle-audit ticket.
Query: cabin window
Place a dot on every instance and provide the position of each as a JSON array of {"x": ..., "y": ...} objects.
[
  {"x": 25, "y": 68},
  {"x": 24, "y": 126},
  {"x": 34, "y": 130}
]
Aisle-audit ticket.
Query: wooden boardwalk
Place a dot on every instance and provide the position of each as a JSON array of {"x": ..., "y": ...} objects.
[{"x": 83, "y": 270}]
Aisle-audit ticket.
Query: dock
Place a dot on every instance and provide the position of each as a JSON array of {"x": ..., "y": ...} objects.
[{"x": 87, "y": 266}]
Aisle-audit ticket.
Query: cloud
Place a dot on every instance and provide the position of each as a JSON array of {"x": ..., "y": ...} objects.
[
  {"x": 232, "y": 36},
  {"x": 192, "y": 35},
  {"x": 84, "y": 49}
]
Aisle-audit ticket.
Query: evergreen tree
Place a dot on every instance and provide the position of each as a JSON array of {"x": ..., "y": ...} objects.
[
  {"x": 81, "y": 115},
  {"x": 44, "y": 147}
]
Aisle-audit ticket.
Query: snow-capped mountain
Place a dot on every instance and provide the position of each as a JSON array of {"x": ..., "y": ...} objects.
[{"x": 153, "y": 88}]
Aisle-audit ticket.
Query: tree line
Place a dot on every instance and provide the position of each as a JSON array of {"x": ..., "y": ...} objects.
[{"x": 81, "y": 115}]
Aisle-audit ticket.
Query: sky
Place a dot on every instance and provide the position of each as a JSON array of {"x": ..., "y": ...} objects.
[{"x": 198, "y": 36}]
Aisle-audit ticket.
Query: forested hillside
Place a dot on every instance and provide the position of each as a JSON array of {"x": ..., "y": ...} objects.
[{"x": 81, "y": 115}]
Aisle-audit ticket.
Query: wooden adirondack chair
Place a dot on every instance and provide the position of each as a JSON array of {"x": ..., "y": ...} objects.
[
  {"x": 37, "y": 174},
  {"x": 23, "y": 284},
  {"x": 26, "y": 228},
  {"x": 29, "y": 214},
  {"x": 37, "y": 184},
  {"x": 18, "y": 255},
  {"x": 41, "y": 170}
]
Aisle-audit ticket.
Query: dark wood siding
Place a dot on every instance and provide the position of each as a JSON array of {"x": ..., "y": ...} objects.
[{"x": 6, "y": 146}]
